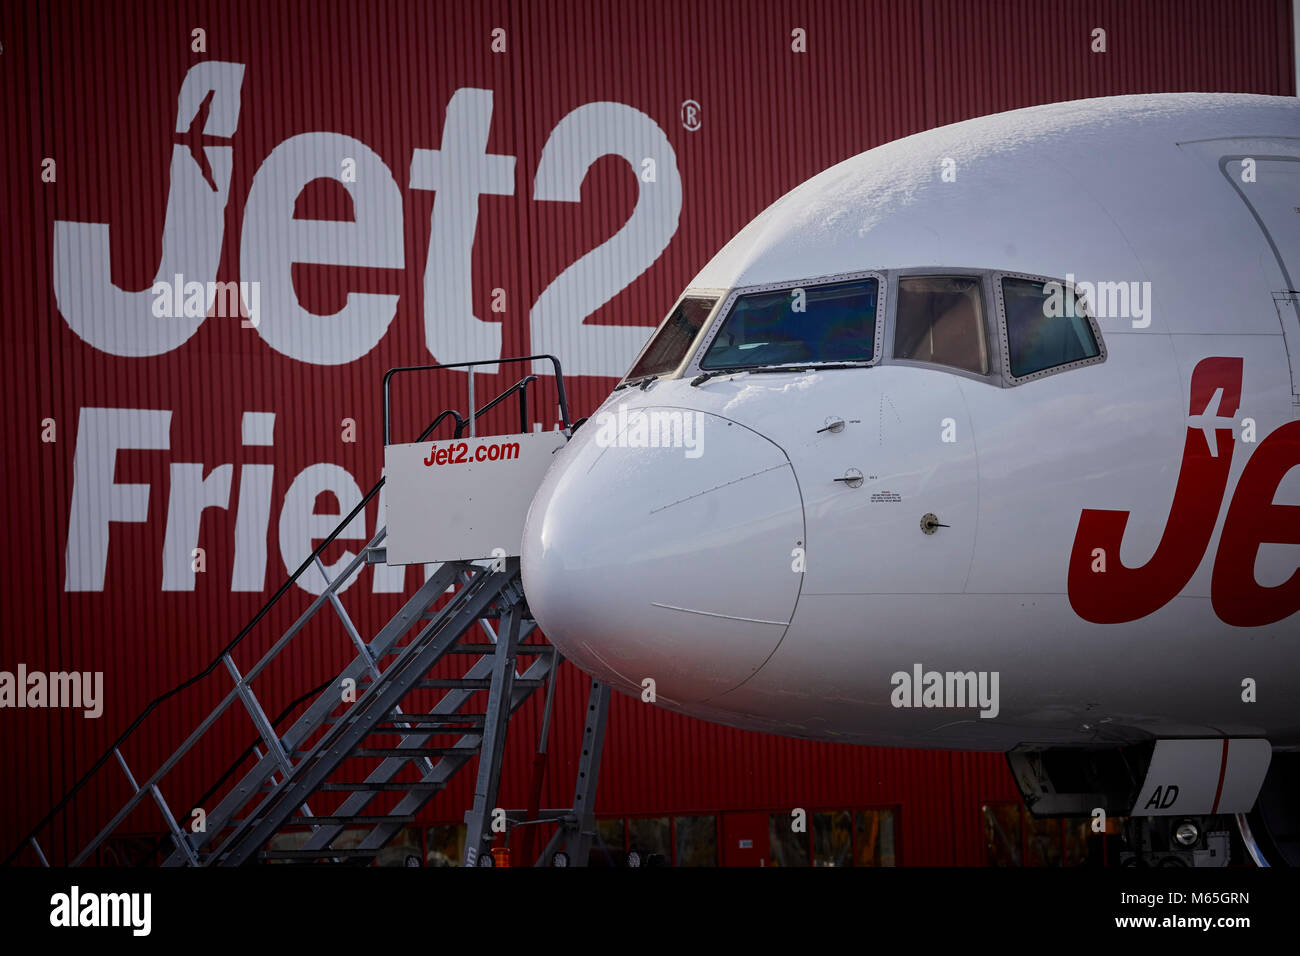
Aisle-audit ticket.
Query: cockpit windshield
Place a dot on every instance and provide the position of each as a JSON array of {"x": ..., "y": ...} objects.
[
  {"x": 835, "y": 322},
  {"x": 674, "y": 338}
]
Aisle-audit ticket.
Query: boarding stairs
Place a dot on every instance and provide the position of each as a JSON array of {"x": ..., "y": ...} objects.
[{"x": 432, "y": 689}]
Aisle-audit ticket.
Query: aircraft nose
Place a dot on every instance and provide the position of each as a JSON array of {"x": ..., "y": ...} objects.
[{"x": 678, "y": 564}]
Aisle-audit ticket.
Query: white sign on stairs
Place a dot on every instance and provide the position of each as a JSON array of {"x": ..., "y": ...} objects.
[{"x": 462, "y": 499}]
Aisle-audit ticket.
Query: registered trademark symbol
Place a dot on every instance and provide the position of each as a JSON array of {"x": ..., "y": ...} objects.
[{"x": 692, "y": 115}]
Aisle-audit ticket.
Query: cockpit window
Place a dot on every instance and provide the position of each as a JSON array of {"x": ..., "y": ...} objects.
[
  {"x": 941, "y": 320},
  {"x": 673, "y": 340},
  {"x": 1045, "y": 328},
  {"x": 835, "y": 322}
]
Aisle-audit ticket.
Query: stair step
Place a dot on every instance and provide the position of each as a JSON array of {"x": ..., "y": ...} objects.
[
  {"x": 388, "y": 729},
  {"x": 414, "y": 753},
  {"x": 437, "y": 719},
  {"x": 350, "y": 821},
  {"x": 471, "y": 683},
  {"x": 386, "y": 786},
  {"x": 315, "y": 854},
  {"x": 482, "y": 647}
]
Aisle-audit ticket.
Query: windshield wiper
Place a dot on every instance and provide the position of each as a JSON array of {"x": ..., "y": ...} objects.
[
  {"x": 815, "y": 367},
  {"x": 642, "y": 382},
  {"x": 711, "y": 373},
  {"x": 812, "y": 367}
]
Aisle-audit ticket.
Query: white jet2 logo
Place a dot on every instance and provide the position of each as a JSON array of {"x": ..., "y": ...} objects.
[{"x": 459, "y": 171}]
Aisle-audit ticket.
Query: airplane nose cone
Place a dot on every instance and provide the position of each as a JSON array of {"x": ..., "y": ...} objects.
[{"x": 678, "y": 564}]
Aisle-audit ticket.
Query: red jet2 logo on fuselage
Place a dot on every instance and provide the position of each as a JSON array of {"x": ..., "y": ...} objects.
[{"x": 1104, "y": 591}]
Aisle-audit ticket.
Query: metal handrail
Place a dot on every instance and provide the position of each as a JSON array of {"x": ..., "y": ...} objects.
[
  {"x": 235, "y": 764},
  {"x": 522, "y": 383},
  {"x": 30, "y": 837},
  {"x": 521, "y": 387}
]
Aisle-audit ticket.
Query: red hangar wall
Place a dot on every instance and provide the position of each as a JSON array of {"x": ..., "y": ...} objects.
[{"x": 391, "y": 184}]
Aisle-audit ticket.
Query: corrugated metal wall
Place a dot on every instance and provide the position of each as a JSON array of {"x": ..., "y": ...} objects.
[{"x": 94, "y": 88}]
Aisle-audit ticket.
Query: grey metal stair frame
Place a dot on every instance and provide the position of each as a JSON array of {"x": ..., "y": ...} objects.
[
  {"x": 312, "y": 758},
  {"x": 372, "y": 707}
]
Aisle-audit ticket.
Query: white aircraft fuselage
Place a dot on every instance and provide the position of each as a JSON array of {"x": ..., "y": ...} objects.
[{"x": 1105, "y": 550}]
